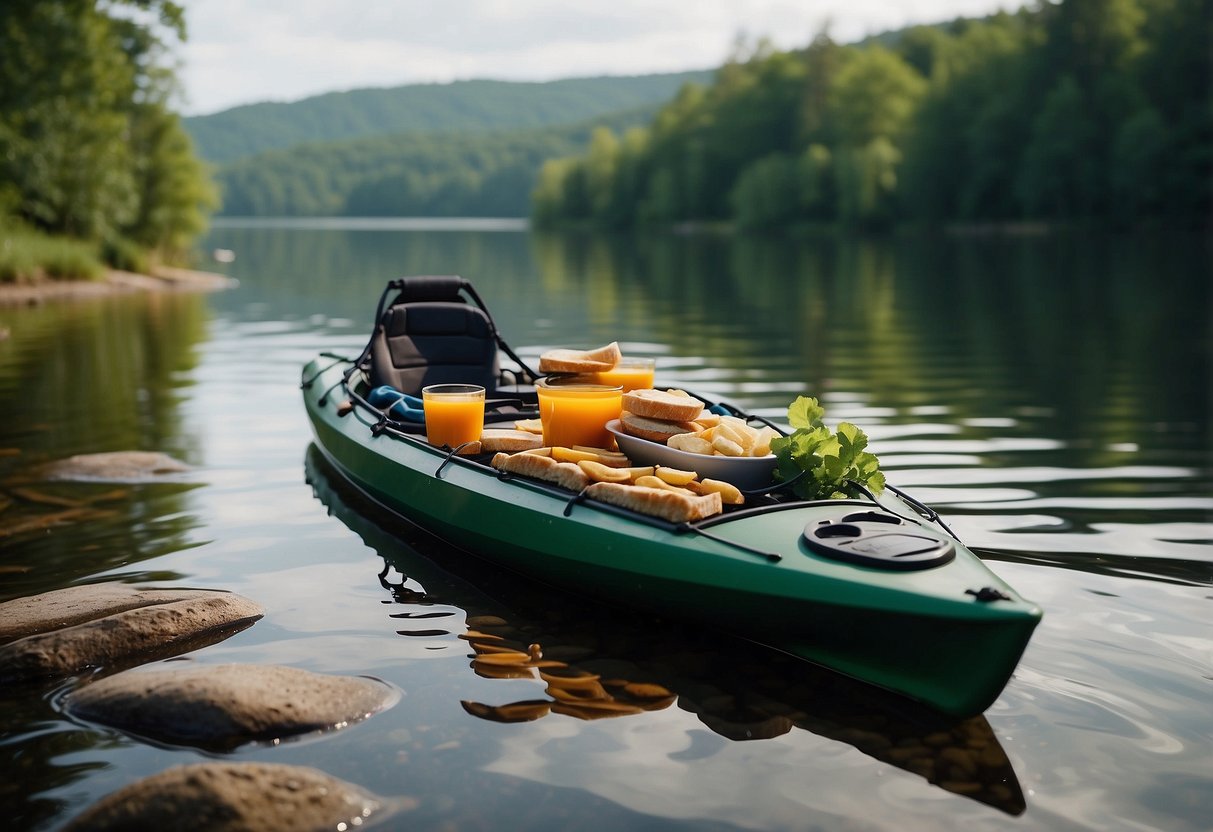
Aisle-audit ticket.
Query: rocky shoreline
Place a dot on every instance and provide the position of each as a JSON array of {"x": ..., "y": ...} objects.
[
  {"x": 129, "y": 660},
  {"x": 115, "y": 282}
]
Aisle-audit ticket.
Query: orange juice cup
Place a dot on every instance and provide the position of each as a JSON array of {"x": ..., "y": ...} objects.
[
  {"x": 631, "y": 373},
  {"x": 454, "y": 413},
  {"x": 574, "y": 411}
]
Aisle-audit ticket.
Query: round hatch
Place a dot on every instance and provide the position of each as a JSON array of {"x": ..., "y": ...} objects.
[{"x": 879, "y": 540}]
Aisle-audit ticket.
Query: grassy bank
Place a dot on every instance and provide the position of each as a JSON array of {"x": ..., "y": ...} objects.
[{"x": 28, "y": 256}]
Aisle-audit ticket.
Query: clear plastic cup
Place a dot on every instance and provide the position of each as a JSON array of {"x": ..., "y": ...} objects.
[
  {"x": 630, "y": 373},
  {"x": 454, "y": 413},
  {"x": 574, "y": 410}
]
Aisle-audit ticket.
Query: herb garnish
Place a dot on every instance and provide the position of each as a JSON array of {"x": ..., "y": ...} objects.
[{"x": 828, "y": 459}]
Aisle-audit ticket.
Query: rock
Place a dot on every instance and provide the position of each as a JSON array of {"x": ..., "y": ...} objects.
[
  {"x": 130, "y": 637},
  {"x": 224, "y": 706},
  {"x": 226, "y": 797},
  {"x": 118, "y": 466},
  {"x": 73, "y": 605}
]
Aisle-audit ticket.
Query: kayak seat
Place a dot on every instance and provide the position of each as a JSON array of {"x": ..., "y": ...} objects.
[
  {"x": 437, "y": 330},
  {"x": 434, "y": 342}
]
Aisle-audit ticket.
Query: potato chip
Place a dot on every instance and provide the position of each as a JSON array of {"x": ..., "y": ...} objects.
[
  {"x": 658, "y": 482},
  {"x": 674, "y": 476},
  {"x": 762, "y": 442},
  {"x": 692, "y": 443},
  {"x": 637, "y": 472},
  {"x": 727, "y": 447},
  {"x": 569, "y": 455},
  {"x": 603, "y": 473},
  {"x": 729, "y": 493}
]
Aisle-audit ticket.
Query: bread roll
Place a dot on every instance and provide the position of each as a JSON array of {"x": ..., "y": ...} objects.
[{"x": 659, "y": 404}]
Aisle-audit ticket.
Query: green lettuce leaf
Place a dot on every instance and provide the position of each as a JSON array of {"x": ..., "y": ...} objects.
[{"x": 825, "y": 462}]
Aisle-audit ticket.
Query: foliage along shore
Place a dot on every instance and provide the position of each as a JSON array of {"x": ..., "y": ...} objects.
[
  {"x": 1082, "y": 111},
  {"x": 96, "y": 170}
]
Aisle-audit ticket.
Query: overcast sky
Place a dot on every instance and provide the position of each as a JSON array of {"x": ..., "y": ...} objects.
[{"x": 243, "y": 51}]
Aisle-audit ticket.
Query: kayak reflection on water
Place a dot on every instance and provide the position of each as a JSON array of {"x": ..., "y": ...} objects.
[{"x": 597, "y": 662}]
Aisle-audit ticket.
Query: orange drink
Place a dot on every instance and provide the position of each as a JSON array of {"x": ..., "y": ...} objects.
[
  {"x": 454, "y": 413},
  {"x": 631, "y": 373},
  {"x": 575, "y": 410}
]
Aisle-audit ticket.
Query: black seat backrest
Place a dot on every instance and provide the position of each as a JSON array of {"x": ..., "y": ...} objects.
[{"x": 431, "y": 335}]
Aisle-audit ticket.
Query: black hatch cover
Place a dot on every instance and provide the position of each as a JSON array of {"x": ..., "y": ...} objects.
[{"x": 878, "y": 539}]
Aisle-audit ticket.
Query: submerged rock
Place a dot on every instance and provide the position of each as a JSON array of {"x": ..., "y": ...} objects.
[
  {"x": 225, "y": 797},
  {"x": 118, "y": 466},
  {"x": 225, "y": 706},
  {"x": 132, "y": 636},
  {"x": 73, "y": 605}
]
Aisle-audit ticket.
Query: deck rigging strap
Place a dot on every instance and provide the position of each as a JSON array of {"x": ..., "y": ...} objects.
[
  {"x": 340, "y": 359},
  {"x": 773, "y": 557},
  {"x": 929, "y": 514},
  {"x": 451, "y": 454}
]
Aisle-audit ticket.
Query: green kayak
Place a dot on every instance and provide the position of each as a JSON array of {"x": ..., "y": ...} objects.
[{"x": 875, "y": 588}]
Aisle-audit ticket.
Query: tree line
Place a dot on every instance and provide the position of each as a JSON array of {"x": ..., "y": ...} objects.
[
  {"x": 90, "y": 147},
  {"x": 1079, "y": 110}
]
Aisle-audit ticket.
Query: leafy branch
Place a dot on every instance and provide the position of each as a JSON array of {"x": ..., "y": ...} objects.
[{"x": 827, "y": 459}]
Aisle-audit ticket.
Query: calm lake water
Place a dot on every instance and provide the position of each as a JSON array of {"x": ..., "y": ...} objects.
[{"x": 1049, "y": 395}]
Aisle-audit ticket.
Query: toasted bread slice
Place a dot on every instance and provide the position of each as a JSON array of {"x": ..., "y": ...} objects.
[
  {"x": 661, "y": 404},
  {"x": 580, "y": 361},
  {"x": 565, "y": 474},
  {"x": 658, "y": 502},
  {"x": 503, "y": 439},
  {"x": 654, "y": 430}
]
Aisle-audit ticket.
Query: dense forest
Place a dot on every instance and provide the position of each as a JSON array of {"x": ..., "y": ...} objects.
[
  {"x": 94, "y": 162},
  {"x": 460, "y": 107},
  {"x": 1077, "y": 110},
  {"x": 437, "y": 175}
]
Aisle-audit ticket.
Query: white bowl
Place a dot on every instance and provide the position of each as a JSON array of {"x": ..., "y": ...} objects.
[{"x": 745, "y": 472}]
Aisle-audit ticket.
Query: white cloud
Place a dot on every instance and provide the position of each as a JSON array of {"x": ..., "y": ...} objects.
[{"x": 281, "y": 50}]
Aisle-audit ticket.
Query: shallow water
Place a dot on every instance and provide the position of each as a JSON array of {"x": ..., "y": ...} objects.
[{"x": 1050, "y": 396}]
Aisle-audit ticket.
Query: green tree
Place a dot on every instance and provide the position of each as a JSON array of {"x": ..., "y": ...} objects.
[
  {"x": 766, "y": 193},
  {"x": 89, "y": 146},
  {"x": 601, "y": 166},
  {"x": 874, "y": 95},
  {"x": 1059, "y": 162}
]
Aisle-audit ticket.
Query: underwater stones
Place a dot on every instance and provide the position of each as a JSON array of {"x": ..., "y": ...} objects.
[
  {"x": 221, "y": 707},
  {"x": 118, "y": 466},
  {"x": 225, "y": 797},
  {"x": 130, "y": 636}
]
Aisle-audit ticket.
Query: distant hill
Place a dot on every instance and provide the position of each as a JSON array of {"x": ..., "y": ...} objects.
[
  {"x": 458, "y": 107},
  {"x": 407, "y": 174}
]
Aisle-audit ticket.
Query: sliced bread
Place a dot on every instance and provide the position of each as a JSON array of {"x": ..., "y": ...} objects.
[
  {"x": 580, "y": 361},
  {"x": 662, "y": 404},
  {"x": 654, "y": 430},
  {"x": 504, "y": 439}
]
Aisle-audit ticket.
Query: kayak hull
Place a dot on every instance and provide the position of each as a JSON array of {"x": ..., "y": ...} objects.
[{"x": 923, "y": 634}]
